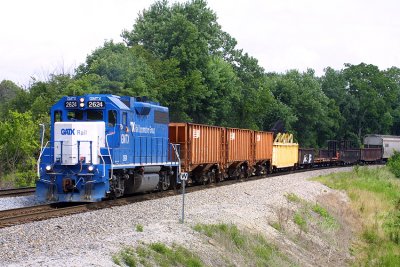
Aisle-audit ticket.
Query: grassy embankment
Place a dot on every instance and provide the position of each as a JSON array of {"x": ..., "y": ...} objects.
[
  {"x": 375, "y": 197},
  {"x": 249, "y": 249}
]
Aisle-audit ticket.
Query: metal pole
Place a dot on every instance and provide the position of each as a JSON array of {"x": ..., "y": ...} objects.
[
  {"x": 184, "y": 177},
  {"x": 183, "y": 201}
]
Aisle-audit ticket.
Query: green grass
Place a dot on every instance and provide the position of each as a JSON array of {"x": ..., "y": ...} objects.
[
  {"x": 253, "y": 248},
  {"x": 125, "y": 257},
  {"x": 292, "y": 197},
  {"x": 157, "y": 254},
  {"x": 327, "y": 220},
  {"x": 300, "y": 219},
  {"x": 375, "y": 196}
]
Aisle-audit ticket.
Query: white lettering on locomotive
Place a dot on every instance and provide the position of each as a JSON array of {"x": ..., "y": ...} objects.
[
  {"x": 124, "y": 139},
  {"x": 139, "y": 129}
]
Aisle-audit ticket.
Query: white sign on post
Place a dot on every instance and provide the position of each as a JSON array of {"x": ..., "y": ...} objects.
[{"x": 184, "y": 176}]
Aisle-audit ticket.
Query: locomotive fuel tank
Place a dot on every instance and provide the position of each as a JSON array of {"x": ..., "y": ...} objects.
[{"x": 144, "y": 180}]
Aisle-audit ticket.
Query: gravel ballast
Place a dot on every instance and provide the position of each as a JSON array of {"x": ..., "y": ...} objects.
[
  {"x": 7, "y": 203},
  {"x": 90, "y": 239}
]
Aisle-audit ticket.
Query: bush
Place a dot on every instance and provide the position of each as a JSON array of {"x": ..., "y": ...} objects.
[{"x": 394, "y": 164}]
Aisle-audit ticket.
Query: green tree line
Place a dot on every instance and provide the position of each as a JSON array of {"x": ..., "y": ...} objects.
[{"x": 178, "y": 54}]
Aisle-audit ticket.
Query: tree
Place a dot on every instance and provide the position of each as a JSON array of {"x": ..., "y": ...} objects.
[
  {"x": 8, "y": 92},
  {"x": 18, "y": 146},
  {"x": 186, "y": 37},
  {"x": 116, "y": 69},
  {"x": 302, "y": 93}
]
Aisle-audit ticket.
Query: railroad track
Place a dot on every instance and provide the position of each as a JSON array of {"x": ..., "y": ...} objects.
[
  {"x": 17, "y": 192},
  {"x": 44, "y": 212}
]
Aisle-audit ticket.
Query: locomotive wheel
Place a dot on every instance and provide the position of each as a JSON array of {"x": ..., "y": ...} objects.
[{"x": 165, "y": 184}]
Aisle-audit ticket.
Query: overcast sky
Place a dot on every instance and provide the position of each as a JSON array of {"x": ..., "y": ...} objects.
[{"x": 46, "y": 36}]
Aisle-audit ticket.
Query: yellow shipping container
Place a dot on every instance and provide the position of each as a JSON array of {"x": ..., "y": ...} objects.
[{"x": 285, "y": 152}]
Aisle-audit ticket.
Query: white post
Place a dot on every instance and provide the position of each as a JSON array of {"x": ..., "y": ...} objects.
[{"x": 184, "y": 177}]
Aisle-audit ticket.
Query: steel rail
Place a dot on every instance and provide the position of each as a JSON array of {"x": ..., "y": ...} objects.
[{"x": 14, "y": 192}]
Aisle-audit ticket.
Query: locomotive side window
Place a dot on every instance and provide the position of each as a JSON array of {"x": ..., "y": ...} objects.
[
  {"x": 75, "y": 115},
  {"x": 124, "y": 118},
  {"x": 57, "y": 116},
  {"x": 94, "y": 115},
  {"x": 112, "y": 118}
]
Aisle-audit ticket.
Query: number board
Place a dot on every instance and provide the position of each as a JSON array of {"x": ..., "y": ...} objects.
[
  {"x": 96, "y": 104},
  {"x": 71, "y": 104}
]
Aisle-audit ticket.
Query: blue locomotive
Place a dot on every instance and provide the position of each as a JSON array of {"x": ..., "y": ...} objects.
[{"x": 105, "y": 146}]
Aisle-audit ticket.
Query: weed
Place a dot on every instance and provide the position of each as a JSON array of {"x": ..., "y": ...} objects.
[
  {"x": 356, "y": 168},
  {"x": 144, "y": 255},
  {"x": 394, "y": 164},
  {"x": 300, "y": 220},
  {"x": 139, "y": 228},
  {"x": 159, "y": 248},
  {"x": 328, "y": 220},
  {"x": 370, "y": 235},
  {"x": 277, "y": 226},
  {"x": 157, "y": 254},
  {"x": 237, "y": 238},
  {"x": 283, "y": 217},
  {"x": 126, "y": 257},
  {"x": 292, "y": 197},
  {"x": 116, "y": 260},
  {"x": 205, "y": 229},
  {"x": 392, "y": 226},
  {"x": 253, "y": 248}
]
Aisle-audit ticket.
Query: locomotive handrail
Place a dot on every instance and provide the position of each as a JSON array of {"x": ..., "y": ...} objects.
[
  {"x": 41, "y": 148},
  {"x": 52, "y": 152},
  {"x": 39, "y": 158},
  {"x": 104, "y": 162},
  {"x": 109, "y": 154},
  {"x": 175, "y": 147}
]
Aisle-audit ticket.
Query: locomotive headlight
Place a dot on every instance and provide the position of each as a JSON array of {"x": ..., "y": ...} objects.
[
  {"x": 82, "y": 105},
  {"x": 48, "y": 168},
  {"x": 82, "y": 100},
  {"x": 90, "y": 168}
]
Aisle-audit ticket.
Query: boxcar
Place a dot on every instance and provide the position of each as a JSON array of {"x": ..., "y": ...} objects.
[
  {"x": 263, "y": 143},
  {"x": 202, "y": 149},
  {"x": 239, "y": 154},
  {"x": 388, "y": 143},
  {"x": 285, "y": 152}
]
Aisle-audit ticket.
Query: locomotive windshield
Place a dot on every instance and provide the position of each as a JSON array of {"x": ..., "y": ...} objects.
[{"x": 87, "y": 115}]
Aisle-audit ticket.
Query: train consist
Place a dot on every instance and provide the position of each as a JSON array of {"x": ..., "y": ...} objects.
[{"x": 105, "y": 146}]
